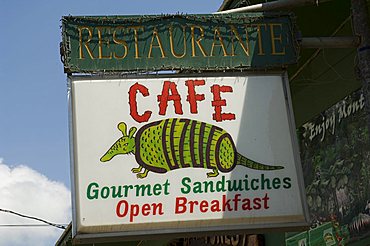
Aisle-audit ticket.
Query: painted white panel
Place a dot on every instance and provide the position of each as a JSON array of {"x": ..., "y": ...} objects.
[{"x": 177, "y": 194}]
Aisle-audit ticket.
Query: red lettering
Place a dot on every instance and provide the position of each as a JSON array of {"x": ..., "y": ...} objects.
[
  {"x": 146, "y": 209},
  {"x": 166, "y": 96},
  {"x": 118, "y": 208},
  {"x": 134, "y": 211},
  {"x": 133, "y": 103},
  {"x": 170, "y": 93},
  {"x": 192, "y": 97},
  {"x": 226, "y": 206},
  {"x": 257, "y": 203},
  {"x": 180, "y": 207},
  {"x": 265, "y": 199},
  {"x": 246, "y": 204},
  {"x": 192, "y": 205},
  {"x": 203, "y": 206},
  {"x": 223, "y": 204},
  {"x": 215, "y": 206},
  {"x": 217, "y": 103},
  {"x": 124, "y": 209},
  {"x": 157, "y": 207},
  {"x": 236, "y": 200}
]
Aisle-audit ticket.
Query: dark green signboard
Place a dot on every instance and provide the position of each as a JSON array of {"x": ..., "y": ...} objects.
[
  {"x": 335, "y": 156},
  {"x": 181, "y": 42}
]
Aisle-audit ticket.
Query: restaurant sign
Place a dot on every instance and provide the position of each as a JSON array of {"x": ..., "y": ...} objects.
[
  {"x": 180, "y": 155},
  {"x": 187, "y": 42}
]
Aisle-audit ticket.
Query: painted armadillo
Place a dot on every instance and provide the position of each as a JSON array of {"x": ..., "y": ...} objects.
[{"x": 174, "y": 143}]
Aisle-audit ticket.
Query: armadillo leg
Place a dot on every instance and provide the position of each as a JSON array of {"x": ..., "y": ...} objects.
[
  {"x": 213, "y": 174},
  {"x": 136, "y": 169},
  {"x": 142, "y": 175}
]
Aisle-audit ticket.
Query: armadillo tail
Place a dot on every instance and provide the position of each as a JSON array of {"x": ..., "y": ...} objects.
[
  {"x": 107, "y": 156},
  {"x": 244, "y": 161}
]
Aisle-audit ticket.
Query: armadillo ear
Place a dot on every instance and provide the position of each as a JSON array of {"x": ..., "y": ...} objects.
[
  {"x": 123, "y": 128},
  {"x": 132, "y": 132}
]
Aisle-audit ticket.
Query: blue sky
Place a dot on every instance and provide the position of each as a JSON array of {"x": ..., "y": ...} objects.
[
  {"x": 33, "y": 101},
  {"x": 34, "y": 143}
]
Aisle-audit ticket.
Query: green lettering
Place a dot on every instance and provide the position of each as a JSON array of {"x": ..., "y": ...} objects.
[
  {"x": 166, "y": 184},
  {"x": 92, "y": 193},
  {"x": 127, "y": 188},
  {"x": 157, "y": 188},
  {"x": 246, "y": 184},
  {"x": 104, "y": 192},
  {"x": 254, "y": 187},
  {"x": 235, "y": 185},
  {"x": 208, "y": 186},
  {"x": 197, "y": 188},
  {"x": 265, "y": 183},
  {"x": 143, "y": 188},
  {"x": 287, "y": 184},
  {"x": 220, "y": 185},
  {"x": 116, "y": 191},
  {"x": 276, "y": 183},
  {"x": 184, "y": 182}
]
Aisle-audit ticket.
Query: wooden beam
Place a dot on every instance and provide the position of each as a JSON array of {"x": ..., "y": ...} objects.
[
  {"x": 275, "y": 5},
  {"x": 330, "y": 42}
]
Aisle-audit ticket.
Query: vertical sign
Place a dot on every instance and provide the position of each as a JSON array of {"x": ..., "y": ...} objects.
[{"x": 335, "y": 157}]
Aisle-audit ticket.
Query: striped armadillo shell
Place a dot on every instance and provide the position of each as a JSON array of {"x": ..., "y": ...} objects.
[{"x": 180, "y": 143}]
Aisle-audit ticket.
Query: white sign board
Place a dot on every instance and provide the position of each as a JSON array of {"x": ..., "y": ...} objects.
[{"x": 185, "y": 154}]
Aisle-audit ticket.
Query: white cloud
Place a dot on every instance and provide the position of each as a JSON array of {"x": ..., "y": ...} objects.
[{"x": 25, "y": 191}]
